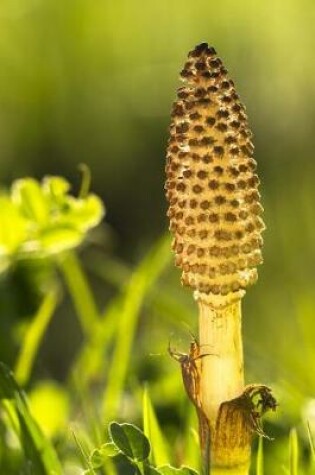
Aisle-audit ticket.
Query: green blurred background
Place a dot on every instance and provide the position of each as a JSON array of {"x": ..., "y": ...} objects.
[{"x": 93, "y": 81}]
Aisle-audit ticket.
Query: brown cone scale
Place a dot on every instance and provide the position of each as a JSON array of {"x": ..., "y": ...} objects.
[{"x": 212, "y": 188}]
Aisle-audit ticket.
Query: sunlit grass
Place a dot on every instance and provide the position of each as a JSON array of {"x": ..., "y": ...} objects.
[{"x": 109, "y": 342}]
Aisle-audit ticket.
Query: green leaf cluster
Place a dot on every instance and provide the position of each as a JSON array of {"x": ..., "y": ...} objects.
[
  {"x": 130, "y": 448},
  {"x": 40, "y": 219},
  {"x": 40, "y": 455}
]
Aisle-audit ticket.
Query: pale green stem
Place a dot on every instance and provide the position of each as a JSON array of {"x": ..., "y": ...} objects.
[
  {"x": 140, "y": 283},
  {"x": 80, "y": 292},
  {"x": 294, "y": 452},
  {"x": 222, "y": 380},
  {"x": 34, "y": 336},
  {"x": 260, "y": 457},
  {"x": 86, "y": 180}
]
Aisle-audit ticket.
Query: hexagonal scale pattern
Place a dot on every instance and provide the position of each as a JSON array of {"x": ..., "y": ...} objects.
[{"x": 211, "y": 186}]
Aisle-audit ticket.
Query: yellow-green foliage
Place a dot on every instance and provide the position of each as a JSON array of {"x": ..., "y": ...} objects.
[{"x": 39, "y": 219}]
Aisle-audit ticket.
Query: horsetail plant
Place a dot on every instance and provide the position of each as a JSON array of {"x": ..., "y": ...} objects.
[{"x": 215, "y": 218}]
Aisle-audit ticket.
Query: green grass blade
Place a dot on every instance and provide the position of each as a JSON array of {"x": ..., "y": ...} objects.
[
  {"x": 80, "y": 292},
  {"x": 83, "y": 455},
  {"x": 161, "y": 298},
  {"x": 34, "y": 336},
  {"x": 311, "y": 440},
  {"x": 159, "y": 453},
  {"x": 141, "y": 281},
  {"x": 89, "y": 362},
  {"x": 39, "y": 453},
  {"x": 260, "y": 457},
  {"x": 294, "y": 452},
  {"x": 191, "y": 455},
  {"x": 311, "y": 444}
]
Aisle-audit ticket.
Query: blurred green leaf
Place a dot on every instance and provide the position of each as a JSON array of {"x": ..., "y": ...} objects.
[
  {"x": 58, "y": 238},
  {"x": 29, "y": 197},
  {"x": 34, "y": 335},
  {"x": 42, "y": 398},
  {"x": 13, "y": 227},
  {"x": 80, "y": 291},
  {"x": 260, "y": 457},
  {"x": 83, "y": 213},
  {"x": 130, "y": 440},
  {"x": 126, "y": 466},
  {"x": 159, "y": 453},
  {"x": 149, "y": 470},
  {"x": 82, "y": 444},
  {"x": 294, "y": 452},
  {"x": 38, "y": 450},
  {"x": 191, "y": 443},
  {"x": 42, "y": 219},
  {"x": 311, "y": 444},
  {"x": 4, "y": 263},
  {"x": 55, "y": 187},
  {"x": 139, "y": 285},
  {"x": 109, "y": 449},
  {"x": 99, "y": 457}
]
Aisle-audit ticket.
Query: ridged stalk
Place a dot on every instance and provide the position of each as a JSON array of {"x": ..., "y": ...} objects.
[
  {"x": 222, "y": 379},
  {"x": 215, "y": 218}
]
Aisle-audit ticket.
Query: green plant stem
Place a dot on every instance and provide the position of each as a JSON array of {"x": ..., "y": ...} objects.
[
  {"x": 311, "y": 442},
  {"x": 34, "y": 335},
  {"x": 80, "y": 292},
  {"x": 222, "y": 380},
  {"x": 160, "y": 297},
  {"x": 141, "y": 467},
  {"x": 140, "y": 283},
  {"x": 294, "y": 452},
  {"x": 260, "y": 457},
  {"x": 159, "y": 454},
  {"x": 86, "y": 180},
  {"x": 89, "y": 362},
  {"x": 39, "y": 452},
  {"x": 83, "y": 455},
  {"x": 109, "y": 467}
]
